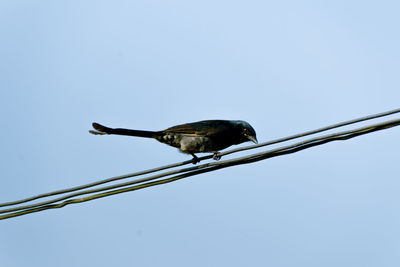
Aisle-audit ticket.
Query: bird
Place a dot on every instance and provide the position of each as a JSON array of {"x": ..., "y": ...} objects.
[{"x": 196, "y": 137}]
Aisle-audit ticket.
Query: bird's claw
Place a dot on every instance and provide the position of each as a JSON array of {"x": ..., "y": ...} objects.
[
  {"x": 217, "y": 156},
  {"x": 195, "y": 159}
]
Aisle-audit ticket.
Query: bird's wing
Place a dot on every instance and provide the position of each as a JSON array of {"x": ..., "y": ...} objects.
[{"x": 201, "y": 128}]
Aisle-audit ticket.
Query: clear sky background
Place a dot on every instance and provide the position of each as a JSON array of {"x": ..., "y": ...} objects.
[{"x": 283, "y": 66}]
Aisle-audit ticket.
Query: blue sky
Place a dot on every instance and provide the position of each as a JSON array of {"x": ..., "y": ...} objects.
[{"x": 285, "y": 67}]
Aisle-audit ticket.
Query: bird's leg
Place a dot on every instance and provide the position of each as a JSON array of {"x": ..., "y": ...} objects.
[
  {"x": 217, "y": 156},
  {"x": 195, "y": 159}
]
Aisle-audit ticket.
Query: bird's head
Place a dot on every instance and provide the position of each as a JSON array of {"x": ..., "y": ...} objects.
[{"x": 247, "y": 132}]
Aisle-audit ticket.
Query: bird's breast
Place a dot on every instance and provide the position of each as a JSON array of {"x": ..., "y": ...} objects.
[
  {"x": 187, "y": 144},
  {"x": 194, "y": 144}
]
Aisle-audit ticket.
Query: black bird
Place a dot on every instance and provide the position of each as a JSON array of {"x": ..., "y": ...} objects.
[{"x": 196, "y": 137}]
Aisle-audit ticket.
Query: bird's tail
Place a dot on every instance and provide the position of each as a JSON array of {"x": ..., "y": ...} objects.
[{"x": 101, "y": 130}]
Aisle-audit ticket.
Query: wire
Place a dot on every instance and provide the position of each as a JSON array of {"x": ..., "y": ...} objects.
[
  {"x": 116, "y": 178},
  {"x": 323, "y": 129},
  {"x": 72, "y": 189},
  {"x": 345, "y": 135}
]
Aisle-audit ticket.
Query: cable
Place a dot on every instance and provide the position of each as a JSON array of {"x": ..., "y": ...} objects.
[
  {"x": 323, "y": 129},
  {"x": 116, "y": 178},
  {"x": 218, "y": 165}
]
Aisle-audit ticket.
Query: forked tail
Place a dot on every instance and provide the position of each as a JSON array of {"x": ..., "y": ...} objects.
[{"x": 101, "y": 130}]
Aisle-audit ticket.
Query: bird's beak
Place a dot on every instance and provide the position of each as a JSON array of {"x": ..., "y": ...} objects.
[{"x": 252, "y": 139}]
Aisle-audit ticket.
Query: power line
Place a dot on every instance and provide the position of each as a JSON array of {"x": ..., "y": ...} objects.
[
  {"x": 190, "y": 171},
  {"x": 280, "y": 140}
]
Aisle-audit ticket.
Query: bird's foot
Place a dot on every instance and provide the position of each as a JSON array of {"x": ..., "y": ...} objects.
[
  {"x": 217, "y": 156},
  {"x": 195, "y": 159}
]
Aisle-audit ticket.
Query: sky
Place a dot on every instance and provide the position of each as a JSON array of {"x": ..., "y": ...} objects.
[{"x": 283, "y": 66}]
